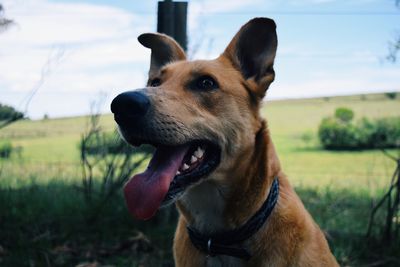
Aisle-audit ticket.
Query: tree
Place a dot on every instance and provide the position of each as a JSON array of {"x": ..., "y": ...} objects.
[
  {"x": 4, "y": 22},
  {"x": 9, "y": 115},
  {"x": 394, "y": 46}
]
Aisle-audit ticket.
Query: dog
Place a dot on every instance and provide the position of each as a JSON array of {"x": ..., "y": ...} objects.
[{"x": 215, "y": 158}]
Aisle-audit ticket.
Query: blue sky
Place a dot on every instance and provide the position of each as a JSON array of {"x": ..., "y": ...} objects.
[{"x": 88, "y": 48}]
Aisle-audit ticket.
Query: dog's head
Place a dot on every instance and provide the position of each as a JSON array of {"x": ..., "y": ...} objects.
[{"x": 200, "y": 115}]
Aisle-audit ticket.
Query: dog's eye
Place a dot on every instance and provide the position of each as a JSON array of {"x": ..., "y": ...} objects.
[
  {"x": 206, "y": 83},
  {"x": 155, "y": 82}
]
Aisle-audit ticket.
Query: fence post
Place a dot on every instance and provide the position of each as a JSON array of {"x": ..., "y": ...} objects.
[{"x": 172, "y": 20}]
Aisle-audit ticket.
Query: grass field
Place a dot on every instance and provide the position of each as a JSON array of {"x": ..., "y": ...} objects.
[
  {"x": 42, "y": 211},
  {"x": 53, "y": 144}
]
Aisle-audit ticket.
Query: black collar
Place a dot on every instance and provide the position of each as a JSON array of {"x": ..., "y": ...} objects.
[{"x": 227, "y": 243}]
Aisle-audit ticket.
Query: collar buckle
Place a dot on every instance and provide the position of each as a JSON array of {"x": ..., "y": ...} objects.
[{"x": 209, "y": 253}]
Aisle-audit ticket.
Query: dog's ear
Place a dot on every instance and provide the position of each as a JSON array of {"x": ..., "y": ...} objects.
[
  {"x": 164, "y": 50},
  {"x": 252, "y": 51}
]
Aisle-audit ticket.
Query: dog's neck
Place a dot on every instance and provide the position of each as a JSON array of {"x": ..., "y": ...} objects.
[{"x": 223, "y": 203}]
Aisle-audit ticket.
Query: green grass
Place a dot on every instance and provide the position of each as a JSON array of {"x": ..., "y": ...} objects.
[
  {"x": 44, "y": 219},
  {"x": 53, "y": 144},
  {"x": 49, "y": 147},
  {"x": 52, "y": 226},
  {"x": 309, "y": 165}
]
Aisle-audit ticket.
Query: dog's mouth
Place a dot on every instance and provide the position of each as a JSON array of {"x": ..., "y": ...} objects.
[{"x": 171, "y": 170}]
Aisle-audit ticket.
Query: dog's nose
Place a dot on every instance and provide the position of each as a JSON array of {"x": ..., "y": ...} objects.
[{"x": 131, "y": 103}]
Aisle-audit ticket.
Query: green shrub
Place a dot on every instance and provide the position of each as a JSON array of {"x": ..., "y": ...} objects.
[
  {"x": 9, "y": 113},
  {"x": 340, "y": 133},
  {"x": 5, "y": 149},
  {"x": 344, "y": 114},
  {"x": 391, "y": 95},
  {"x": 307, "y": 137},
  {"x": 102, "y": 143},
  {"x": 334, "y": 134},
  {"x": 367, "y": 129},
  {"x": 386, "y": 133}
]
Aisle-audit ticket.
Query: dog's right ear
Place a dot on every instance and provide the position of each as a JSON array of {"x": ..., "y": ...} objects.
[
  {"x": 252, "y": 52},
  {"x": 164, "y": 50}
]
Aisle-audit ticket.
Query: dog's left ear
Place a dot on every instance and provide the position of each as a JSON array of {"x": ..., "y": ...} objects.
[
  {"x": 252, "y": 51},
  {"x": 164, "y": 50}
]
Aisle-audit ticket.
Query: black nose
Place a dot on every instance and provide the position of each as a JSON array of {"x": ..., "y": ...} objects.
[{"x": 131, "y": 103}]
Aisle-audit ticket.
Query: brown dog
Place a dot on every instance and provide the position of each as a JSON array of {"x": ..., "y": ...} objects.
[{"x": 215, "y": 158}]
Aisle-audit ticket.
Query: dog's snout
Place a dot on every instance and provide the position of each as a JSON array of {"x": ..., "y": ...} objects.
[{"x": 131, "y": 103}]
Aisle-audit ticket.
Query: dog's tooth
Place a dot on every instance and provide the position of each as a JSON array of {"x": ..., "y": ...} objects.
[
  {"x": 185, "y": 167},
  {"x": 199, "y": 152},
  {"x": 178, "y": 173},
  {"x": 193, "y": 159}
]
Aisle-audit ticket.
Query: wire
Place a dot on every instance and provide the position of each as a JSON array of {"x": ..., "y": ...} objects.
[
  {"x": 252, "y": 12},
  {"x": 303, "y": 13}
]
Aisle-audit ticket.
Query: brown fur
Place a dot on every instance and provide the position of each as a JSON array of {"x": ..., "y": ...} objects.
[{"x": 229, "y": 116}]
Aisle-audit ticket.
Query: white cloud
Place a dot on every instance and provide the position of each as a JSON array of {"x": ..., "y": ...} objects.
[
  {"x": 202, "y": 35},
  {"x": 360, "y": 56},
  {"x": 99, "y": 43},
  {"x": 365, "y": 80},
  {"x": 115, "y": 81},
  {"x": 210, "y": 6},
  {"x": 102, "y": 53},
  {"x": 107, "y": 54},
  {"x": 41, "y": 22}
]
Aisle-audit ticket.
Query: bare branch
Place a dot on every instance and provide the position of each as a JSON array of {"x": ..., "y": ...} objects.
[
  {"x": 55, "y": 57},
  {"x": 201, "y": 39},
  {"x": 392, "y": 199},
  {"x": 387, "y": 154},
  {"x": 394, "y": 48}
]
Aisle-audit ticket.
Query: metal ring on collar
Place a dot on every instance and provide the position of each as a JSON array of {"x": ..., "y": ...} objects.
[{"x": 209, "y": 246}]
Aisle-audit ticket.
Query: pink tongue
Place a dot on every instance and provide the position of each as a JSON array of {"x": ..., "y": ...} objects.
[{"x": 144, "y": 192}]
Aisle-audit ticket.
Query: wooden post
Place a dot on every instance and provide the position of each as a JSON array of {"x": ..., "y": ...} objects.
[{"x": 172, "y": 20}]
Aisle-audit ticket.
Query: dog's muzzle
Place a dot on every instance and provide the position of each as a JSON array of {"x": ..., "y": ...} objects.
[{"x": 179, "y": 160}]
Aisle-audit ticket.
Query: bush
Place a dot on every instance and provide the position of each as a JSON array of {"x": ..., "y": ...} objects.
[
  {"x": 107, "y": 159},
  {"x": 307, "y": 137},
  {"x": 5, "y": 149},
  {"x": 391, "y": 95},
  {"x": 340, "y": 133},
  {"x": 386, "y": 133},
  {"x": 102, "y": 143},
  {"x": 344, "y": 114},
  {"x": 368, "y": 128},
  {"x": 9, "y": 113},
  {"x": 334, "y": 134}
]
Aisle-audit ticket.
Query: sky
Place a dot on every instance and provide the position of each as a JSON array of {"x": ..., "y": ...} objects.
[{"x": 62, "y": 55}]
